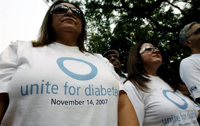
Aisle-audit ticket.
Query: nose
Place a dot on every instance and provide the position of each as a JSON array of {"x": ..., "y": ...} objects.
[
  {"x": 69, "y": 13},
  {"x": 156, "y": 51},
  {"x": 112, "y": 58}
]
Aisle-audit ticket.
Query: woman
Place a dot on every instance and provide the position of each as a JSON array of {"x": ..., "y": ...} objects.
[
  {"x": 56, "y": 81},
  {"x": 155, "y": 101}
]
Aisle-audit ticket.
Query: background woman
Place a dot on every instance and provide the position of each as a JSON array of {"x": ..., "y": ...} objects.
[
  {"x": 56, "y": 81},
  {"x": 155, "y": 102}
]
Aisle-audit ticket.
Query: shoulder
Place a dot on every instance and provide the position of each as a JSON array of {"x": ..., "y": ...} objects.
[
  {"x": 128, "y": 83},
  {"x": 106, "y": 63},
  {"x": 191, "y": 58},
  {"x": 20, "y": 44},
  {"x": 129, "y": 86},
  {"x": 99, "y": 56},
  {"x": 188, "y": 61},
  {"x": 103, "y": 59},
  {"x": 17, "y": 46},
  {"x": 133, "y": 93}
]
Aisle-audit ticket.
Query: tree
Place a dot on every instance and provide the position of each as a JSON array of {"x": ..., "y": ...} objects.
[
  {"x": 141, "y": 20},
  {"x": 138, "y": 20}
]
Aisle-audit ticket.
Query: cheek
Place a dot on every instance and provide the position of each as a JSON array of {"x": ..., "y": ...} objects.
[
  {"x": 198, "y": 37},
  {"x": 80, "y": 25},
  {"x": 118, "y": 61},
  {"x": 54, "y": 28},
  {"x": 54, "y": 23},
  {"x": 80, "y": 28},
  {"x": 145, "y": 58}
]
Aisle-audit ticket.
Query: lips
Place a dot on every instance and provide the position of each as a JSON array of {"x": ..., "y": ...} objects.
[
  {"x": 68, "y": 19},
  {"x": 158, "y": 56},
  {"x": 115, "y": 63}
]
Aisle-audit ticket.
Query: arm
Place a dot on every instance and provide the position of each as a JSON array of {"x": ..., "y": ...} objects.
[
  {"x": 4, "y": 100},
  {"x": 126, "y": 112},
  {"x": 8, "y": 65}
]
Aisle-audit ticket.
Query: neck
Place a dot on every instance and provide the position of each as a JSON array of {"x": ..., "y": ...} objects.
[
  {"x": 195, "y": 51},
  {"x": 118, "y": 71},
  {"x": 151, "y": 71},
  {"x": 195, "y": 48},
  {"x": 67, "y": 39}
]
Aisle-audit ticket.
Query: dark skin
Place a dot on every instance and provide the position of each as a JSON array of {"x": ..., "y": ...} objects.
[
  {"x": 112, "y": 57},
  {"x": 4, "y": 101},
  {"x": 126, "y": 112}
]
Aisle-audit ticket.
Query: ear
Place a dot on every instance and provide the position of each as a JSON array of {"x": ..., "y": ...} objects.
[{"x": 187, "y": 43}]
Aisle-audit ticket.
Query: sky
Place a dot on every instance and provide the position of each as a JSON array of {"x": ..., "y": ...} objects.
[{"x": 20, "y": 20}]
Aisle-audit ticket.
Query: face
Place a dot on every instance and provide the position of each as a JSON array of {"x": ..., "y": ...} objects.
[
  {"x": 150, "y": 56},
  {"x": 112, "y": 57},
  {"x": 66, "y": 21},
  {"x": 194, "y": 35}
]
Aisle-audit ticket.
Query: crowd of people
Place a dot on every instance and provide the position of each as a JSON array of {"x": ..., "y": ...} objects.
[{"x": 56, "y": 81}]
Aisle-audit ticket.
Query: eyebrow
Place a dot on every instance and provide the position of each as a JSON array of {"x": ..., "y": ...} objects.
[
  {"x": 147, "y": 45},
  {"x": 68, "y": 6}
]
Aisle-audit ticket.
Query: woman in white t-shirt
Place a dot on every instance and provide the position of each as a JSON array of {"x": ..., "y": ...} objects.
[
  {"x": 155, "y": 102},
  {"x": 56, "y": 81}
]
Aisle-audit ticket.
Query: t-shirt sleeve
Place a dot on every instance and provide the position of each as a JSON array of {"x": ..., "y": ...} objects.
[
  {"x": 8, "y": 66},
  {"x": 136, "y": 100},
  {"x": 190, "y": 74}
]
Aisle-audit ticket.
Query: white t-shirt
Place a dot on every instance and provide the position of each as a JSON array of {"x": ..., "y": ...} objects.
[
  {"x": 123, "y": 77},
  {"x": 58, "y": 85},
  {"x": 161, "y": 106},
  {"x": 190, "y": 74},
  {"x": 195, "y": 105}
]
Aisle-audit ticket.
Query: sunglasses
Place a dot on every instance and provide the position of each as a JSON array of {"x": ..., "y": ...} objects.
[
  {"x": 63, "y": 9},
  {"x": 148, "y": 48},
  {"x": 196, "y": 32},
  {"x": 109, "y": 57}
]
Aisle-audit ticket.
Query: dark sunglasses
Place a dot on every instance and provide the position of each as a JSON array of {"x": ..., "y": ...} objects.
[
  {"x": 148, "y": 48},
  {"x": 63, "y": 9},
  {"x": 109, "y": 57},
  {"x": 196, "y": 32}
]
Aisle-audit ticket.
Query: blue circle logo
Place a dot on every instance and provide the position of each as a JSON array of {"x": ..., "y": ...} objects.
[
  {"x": 184, "y": 106},
  {"x": 88, "y": 76}
]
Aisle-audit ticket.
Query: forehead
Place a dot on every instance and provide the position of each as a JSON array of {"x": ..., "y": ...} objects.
[
  {"x": 111, "y": 53},
  {"x": 67, "y": 4},
  {"x": 193, "y": 28},
  {"x": 145, "y": 44}
]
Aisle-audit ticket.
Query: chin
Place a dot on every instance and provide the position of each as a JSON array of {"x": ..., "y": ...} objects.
[{"x": 159, "y": 62}]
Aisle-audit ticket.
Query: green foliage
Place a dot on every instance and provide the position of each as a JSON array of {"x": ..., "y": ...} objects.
[{"x": 138, "y": 20}]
